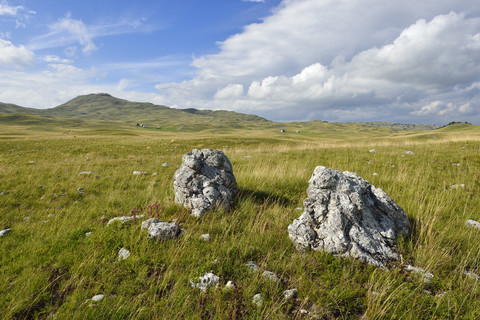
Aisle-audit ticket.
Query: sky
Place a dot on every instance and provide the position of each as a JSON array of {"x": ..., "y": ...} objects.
[{"x": 403, "y": 61}]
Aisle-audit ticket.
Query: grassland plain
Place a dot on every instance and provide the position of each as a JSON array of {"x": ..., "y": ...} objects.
[{"x": 50, "y": 269}]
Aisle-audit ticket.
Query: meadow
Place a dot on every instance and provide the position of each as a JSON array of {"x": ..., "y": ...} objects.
[{"x": 50, "y": 269}]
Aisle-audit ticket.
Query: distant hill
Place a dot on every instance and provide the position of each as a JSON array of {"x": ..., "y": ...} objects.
[
  {"x": 13, "y": 108},
  {"x": 104, "y": 107}
]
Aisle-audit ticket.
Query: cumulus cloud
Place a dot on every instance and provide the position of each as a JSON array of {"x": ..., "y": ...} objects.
[
  {"x": 231, "y": 91},
  {"x": 12, "y": 56},
  {"x": 343, "y": 60}
]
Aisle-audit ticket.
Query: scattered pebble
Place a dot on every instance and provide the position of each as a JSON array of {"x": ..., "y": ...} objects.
[
  {"x": 257, "y": 300},
  {"x": 87, "y": 173},
  {"x": 472, "y": 275},
  {"x": 439, "y": 295},
  {"x": 252, "y": 266},
  {"x": 4, "y": 232},
  {"x": 374, "y": 174},
  {"x": 271, "y": 276},
  {"x": 289, "y": 294},
  {"x": 409, "y": 152},
  {"x": 372, "y": 150},
  {"x": 123, "y": 254},
  {"x": 165, "y": 164},
  {"x": 88, "y": 234},
  {"x": 80, "y": 189},
  {"x": 427, "y": 276},
  {"x": 139, "y": 172},
  {"x": 206, "y": 281},
  {"x": 473, "y": 223},
  {"x": 155, "y": 174},
  {"x": 124, "y": 219},
  {"x": 229, "y": 285},
  {"x": 205, "y": 237},
  {"x": 98, "y": 297}
]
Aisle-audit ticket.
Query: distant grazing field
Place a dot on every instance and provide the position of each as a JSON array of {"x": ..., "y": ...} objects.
[{"x": 50, "y": 269}]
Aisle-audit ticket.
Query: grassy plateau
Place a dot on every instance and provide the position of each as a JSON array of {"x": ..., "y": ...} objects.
[{"x": 50, "y": 269}]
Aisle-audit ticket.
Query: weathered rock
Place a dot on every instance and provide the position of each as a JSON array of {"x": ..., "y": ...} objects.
[
  {"x": 206, "y": 281},
  {"x": 257, "y": 299},
  {"x": 123, "y": 254},
  {"x": 289, "y": 294},
  {"x": 205, "y": 237},
  {"x": 427, "y": 276},
  {"x": 473, "y": 223},
  {"x": 229, "y": 285},
  {"x": 348, "y": 217},
  {"x": 271, "y": 276},
  {"x": 98, "y": 297},
  {"x": 124, "y": 219},
  {"x": 205, "y": 181},
  {"x": 252, "y": 266},
  {"x": 137, "y": 173},
  {"x": 161, "y": 230}
]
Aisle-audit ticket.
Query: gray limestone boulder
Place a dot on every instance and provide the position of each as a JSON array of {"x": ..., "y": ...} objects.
[
  {"x": 348, "y": 217},
  {"x": 161, "y": 230},
  {"x": 205, "y": 181}
]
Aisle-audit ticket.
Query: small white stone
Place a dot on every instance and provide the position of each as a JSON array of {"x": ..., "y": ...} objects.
[
  {"x": 124, "y": 219},
  {"x": 270, "y": 276},
  {"x": 5, "y": 231},
  {"x": 155, "y": 174},
  {"x": 165, "y": 164},
  {"x": 87, "y": 173},
  {"x": 206, "y": 281},
  {"x": 257, "y": 300},
  {"x": 98, "y": 297},
  {"x": 289, "y": 294},
  {"x": 372, "y": 150},
  {"x": 409, "y": 152},
  {"x": 205, "y": 237},
  {"x": 374, "y": 174},
  {"x": 139, "y": 172},
  {"x": 88, "y": 234},
  {"x": 123, "y": 254},
  {"x": 473, "y": 223},
  {"x": 252, "y": 266},
  {"x": 229, "y": 285}
]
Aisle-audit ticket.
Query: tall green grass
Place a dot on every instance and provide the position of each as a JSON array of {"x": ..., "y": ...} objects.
[{"x": 50, "y": 269}]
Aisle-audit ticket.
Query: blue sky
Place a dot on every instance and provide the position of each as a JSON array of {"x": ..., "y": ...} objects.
[{"x": 334, "y": 60}]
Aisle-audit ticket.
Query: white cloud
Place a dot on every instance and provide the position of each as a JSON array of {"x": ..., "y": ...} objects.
[
  {"x": 343, "y": 60},
  {"x": 78, "y": 31},
  {"x": 232, "y": 91},
  {"x": 53, "y": 58},
  {"x": 12, "y": 56},
  {"x": 7, "y": 10},
  {"x": 253, "y": 0}
]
